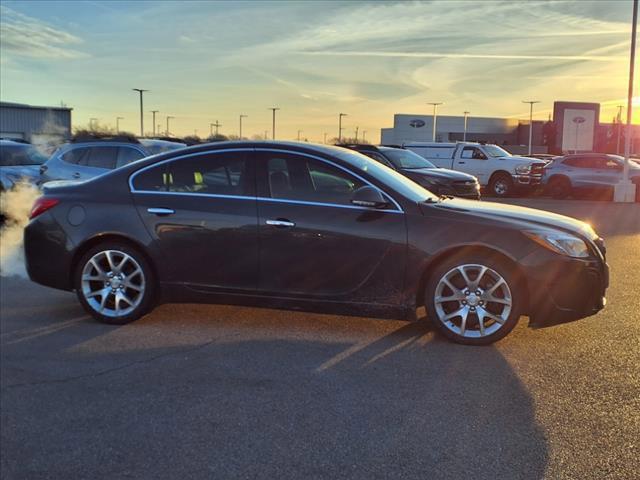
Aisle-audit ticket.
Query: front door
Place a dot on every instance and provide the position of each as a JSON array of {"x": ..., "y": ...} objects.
[
  {"x": 473, "y": 161},
  {"x": 201, "y": 210},
  {"x": 315, "y": 243}
]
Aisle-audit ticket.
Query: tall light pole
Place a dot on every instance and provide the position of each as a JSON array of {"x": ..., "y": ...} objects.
[
  {"x": 357, "y": 127},
  {"x": 620, "y": 107},
  {"x": 299, "y": 132},
  {"x": 159, "y": 129},
  {"x": 340, "y": 115},
  {"x": 141, "y": 91},
  {"x": 167, "y": 130},
  {"x": 325, "y": 137},
  {"x": 625, "y": 191},
  {"x": 464, "y": 134},
  {"x": 241, "y": 117},
  {"x": 435, "y": 116},
  {"x": 273, "y": 125},
  {"x": 364, "y": 136},
  {"x": 531, "y": 103},
  {"x": 153, "y": 112},
  {"x": 118, "y": 123}
]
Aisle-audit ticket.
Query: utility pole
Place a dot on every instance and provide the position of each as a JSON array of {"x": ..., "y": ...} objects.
[
  {"x": 625, "y": 191},
  {"x": 159, "y": 129},
  {"x": 340, "y": 115},
  {"x": 531, "y": 103},
  {"x": 265, "y": 134},
  {"x": 273, "y": 125},
  {"x": 153, "y": 112},
  {"x": 217, "y": 124},
  {"x": 357, "y": 133},
  {"x": 435, "y": 116},
  {"x": 364, "y": 136},
  {"x": 619, "y": 122},
  {"x": 241, "y": 117},
  {"x": 141, "y": 91},
  {"x": 167, "y": 131},
  {"x": 325, "y": 138},
  {"x": 118, "y": 123},
  {"x": 299, "y": 132},
  {"x": 464, "y": 135}
]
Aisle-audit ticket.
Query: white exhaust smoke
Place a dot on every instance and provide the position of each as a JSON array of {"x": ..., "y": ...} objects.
[{"x": 15, "y": 205}]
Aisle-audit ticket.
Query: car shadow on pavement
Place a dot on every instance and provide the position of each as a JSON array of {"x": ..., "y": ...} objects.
[{"x": 231, "y": 392}]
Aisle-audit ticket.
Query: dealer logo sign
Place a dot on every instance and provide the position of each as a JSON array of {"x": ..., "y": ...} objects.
[{"x": 416, "y": 123}]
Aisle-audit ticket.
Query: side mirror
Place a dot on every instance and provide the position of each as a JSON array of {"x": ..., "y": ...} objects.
[{"x": 369, "y": 197}]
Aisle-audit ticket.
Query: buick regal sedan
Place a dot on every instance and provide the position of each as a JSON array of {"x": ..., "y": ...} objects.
[{"x": 309, "y": 227}]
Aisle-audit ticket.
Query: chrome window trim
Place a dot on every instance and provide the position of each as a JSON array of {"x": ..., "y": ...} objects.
[{"x": 132, "y": 189}]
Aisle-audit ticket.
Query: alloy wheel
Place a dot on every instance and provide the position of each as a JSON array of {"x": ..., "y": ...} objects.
[
  {"x": 473, "y": 301},
  {"x": 113, "y": 283}
]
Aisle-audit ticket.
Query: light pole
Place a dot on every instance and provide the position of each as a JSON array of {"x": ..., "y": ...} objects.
[
  {"x": 141, "y": 91},
  {"x": 464, "y": 134},
  {"x": 340, "y": 115},
  {"x": 299, "y": 132},
  {"x": 625, "y": 191},
  {"x": 167, "y": 130},
  {"x": 159, "y": 129},
  {"x": 153, "y": 112},
  {"x": 357, "y": 133},
  {"x": 273, "y": 125},
  {"x": 531, "y": 103},
  {"x": 435, "y": 116},
  {"x": 118, "y": 123},
  {"x": 325, "y": 137},
  {"x": 620, "y": 107},
  {"x": 364, "y": 136},
  {"x": 241, "y": 117},
  {"x": 265, "y": 134}
]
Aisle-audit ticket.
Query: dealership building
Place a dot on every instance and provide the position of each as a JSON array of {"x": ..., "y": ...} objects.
[
  {"x": 575, "y": 126},
  {"x": 34, "y": 124}
]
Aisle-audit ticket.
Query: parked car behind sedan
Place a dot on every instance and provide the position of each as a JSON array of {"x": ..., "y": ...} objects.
[
  {"x": 440, "y": 181},
  {"x": 587, "y": 173},
  {"x": 85, "y": 159},
  {"x": 312, "y": 227},
  {"x": 19, "y": 162}
]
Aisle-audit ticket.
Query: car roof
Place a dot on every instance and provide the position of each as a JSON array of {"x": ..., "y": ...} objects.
[{"x": 7, "y": 142}]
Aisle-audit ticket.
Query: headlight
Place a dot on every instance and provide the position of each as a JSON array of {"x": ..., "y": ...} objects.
[
  {"x": 523, "y": 169},
  {"x": 560, "y": 242}
]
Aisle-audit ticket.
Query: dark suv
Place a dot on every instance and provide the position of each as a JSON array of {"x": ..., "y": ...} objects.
[
  {"x": 86, "y": 158},
  {"x": 440, "y": 181}
]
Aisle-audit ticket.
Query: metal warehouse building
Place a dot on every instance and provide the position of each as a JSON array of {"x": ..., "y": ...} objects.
[{"x": 34, "y": 124}]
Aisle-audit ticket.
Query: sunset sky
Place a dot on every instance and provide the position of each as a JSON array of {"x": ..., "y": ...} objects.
[{"x": 208, "y": 61}]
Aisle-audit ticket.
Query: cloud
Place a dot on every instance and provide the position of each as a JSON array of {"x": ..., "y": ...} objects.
[{"x": 29, "y": 37}]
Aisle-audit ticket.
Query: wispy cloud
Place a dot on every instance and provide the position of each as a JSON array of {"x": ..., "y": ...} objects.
[
  {"x": 595, "y": 58},
  {"x": 30, "y": 37}
]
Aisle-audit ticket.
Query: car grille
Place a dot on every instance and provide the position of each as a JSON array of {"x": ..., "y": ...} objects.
[
  {"x": 537, "y": 169},
  {"x": 465, "y": 187}
]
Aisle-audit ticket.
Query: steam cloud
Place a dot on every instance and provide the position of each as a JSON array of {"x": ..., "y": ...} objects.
[{"x": 15, "y": 205}]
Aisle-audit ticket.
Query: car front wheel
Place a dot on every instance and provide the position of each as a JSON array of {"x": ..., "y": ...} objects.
[
  {"x": 114, "y": 283},
  {"x": 473, "y": 300},
  {"x": 501, "y": 185}
]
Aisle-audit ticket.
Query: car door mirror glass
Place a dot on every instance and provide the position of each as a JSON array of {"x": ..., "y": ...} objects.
[{"x": 368, "y": 196}]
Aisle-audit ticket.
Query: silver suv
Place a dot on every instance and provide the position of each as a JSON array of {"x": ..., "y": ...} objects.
[{"x": 82, "y": 160}]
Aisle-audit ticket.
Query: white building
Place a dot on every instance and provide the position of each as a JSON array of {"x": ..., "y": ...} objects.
[{"x": 419, "y": 128}]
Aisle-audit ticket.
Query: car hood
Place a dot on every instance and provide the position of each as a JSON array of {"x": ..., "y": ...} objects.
[
  {"x": 439, "y": 173},
  {"x": 523, "y": 160},
  {"x": 522, "y": 216},
  {"x": 18, "y": 171}
]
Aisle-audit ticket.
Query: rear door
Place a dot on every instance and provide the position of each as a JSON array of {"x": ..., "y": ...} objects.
[
  {"x": 201, "y": 211},
  {"x": 315, "y": 243}
]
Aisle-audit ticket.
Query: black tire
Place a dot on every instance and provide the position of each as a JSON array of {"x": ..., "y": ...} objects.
[
  {"x": 498, "y": 266},
  {"x": 501, "y": 185},
  {"x": 144, "y": 300},
  {"x": 559, "y": 188}
]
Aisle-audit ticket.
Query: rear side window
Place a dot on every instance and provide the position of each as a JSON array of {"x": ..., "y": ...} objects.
[
  {"x": 103, "y": 157},
  {"x": 77, "y": 156},
  {"x": 225, "y": 173},
  {"x": 127, "y": 155},
  {"x": 579, "y": 162},
  {"x": 15, "y": 155}
]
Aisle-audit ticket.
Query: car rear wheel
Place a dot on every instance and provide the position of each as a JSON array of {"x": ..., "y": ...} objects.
[
  {"x": 473, "y": 300},
  {"x": 114, "y": 283},
  {"x": 501, "y": 185}
]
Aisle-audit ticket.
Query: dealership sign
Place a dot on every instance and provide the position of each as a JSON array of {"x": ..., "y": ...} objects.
[{"x": 416, "y": 123}]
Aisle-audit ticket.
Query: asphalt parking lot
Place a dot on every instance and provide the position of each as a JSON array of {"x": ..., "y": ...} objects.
[{"x": 193, "y": 391}]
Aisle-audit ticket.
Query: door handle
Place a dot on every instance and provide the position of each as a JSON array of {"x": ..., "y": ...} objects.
[
  {"x": 461, "y": 163},
  {"x": 280, "y": 223},
  {"x": 161, "y": 211},
  {"x": 76, "y": 175}
]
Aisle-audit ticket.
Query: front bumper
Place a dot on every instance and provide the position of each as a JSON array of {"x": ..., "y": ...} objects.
[
  {"x": 528, "y": 179},
  {"x": 566, "y": 289}
]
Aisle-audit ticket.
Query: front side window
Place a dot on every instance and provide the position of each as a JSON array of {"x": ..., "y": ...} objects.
[
  {"x": 77, "y": 156},
  {"x": 224, "y": 173},
  {"x": 103, "y": 157},
  {"x": 127, "y": 155},
  {"x": 578, "y": 162},
  {"x": 293, "y": 177},
  {"x": 474, "y": 153}
]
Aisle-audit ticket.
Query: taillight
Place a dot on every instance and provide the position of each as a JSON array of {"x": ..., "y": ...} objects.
[{"x": 41, "y": 205}]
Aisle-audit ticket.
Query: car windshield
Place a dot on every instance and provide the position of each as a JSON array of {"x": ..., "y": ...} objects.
[
  {"x": 495, "y": 151},
  {"x": 160, "y": 146},
  {"x": 16, "y": 155},
  {"x": 385, "y": 175},
  {"x": 407, "y": 159}
]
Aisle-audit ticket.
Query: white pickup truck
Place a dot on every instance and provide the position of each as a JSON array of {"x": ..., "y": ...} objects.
[{"x": 495, "y": 168}]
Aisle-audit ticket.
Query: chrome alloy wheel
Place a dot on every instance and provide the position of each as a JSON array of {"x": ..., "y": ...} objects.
[
  {"x": 113, "y": 283},
  {"x": 473, "y": 300}
]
